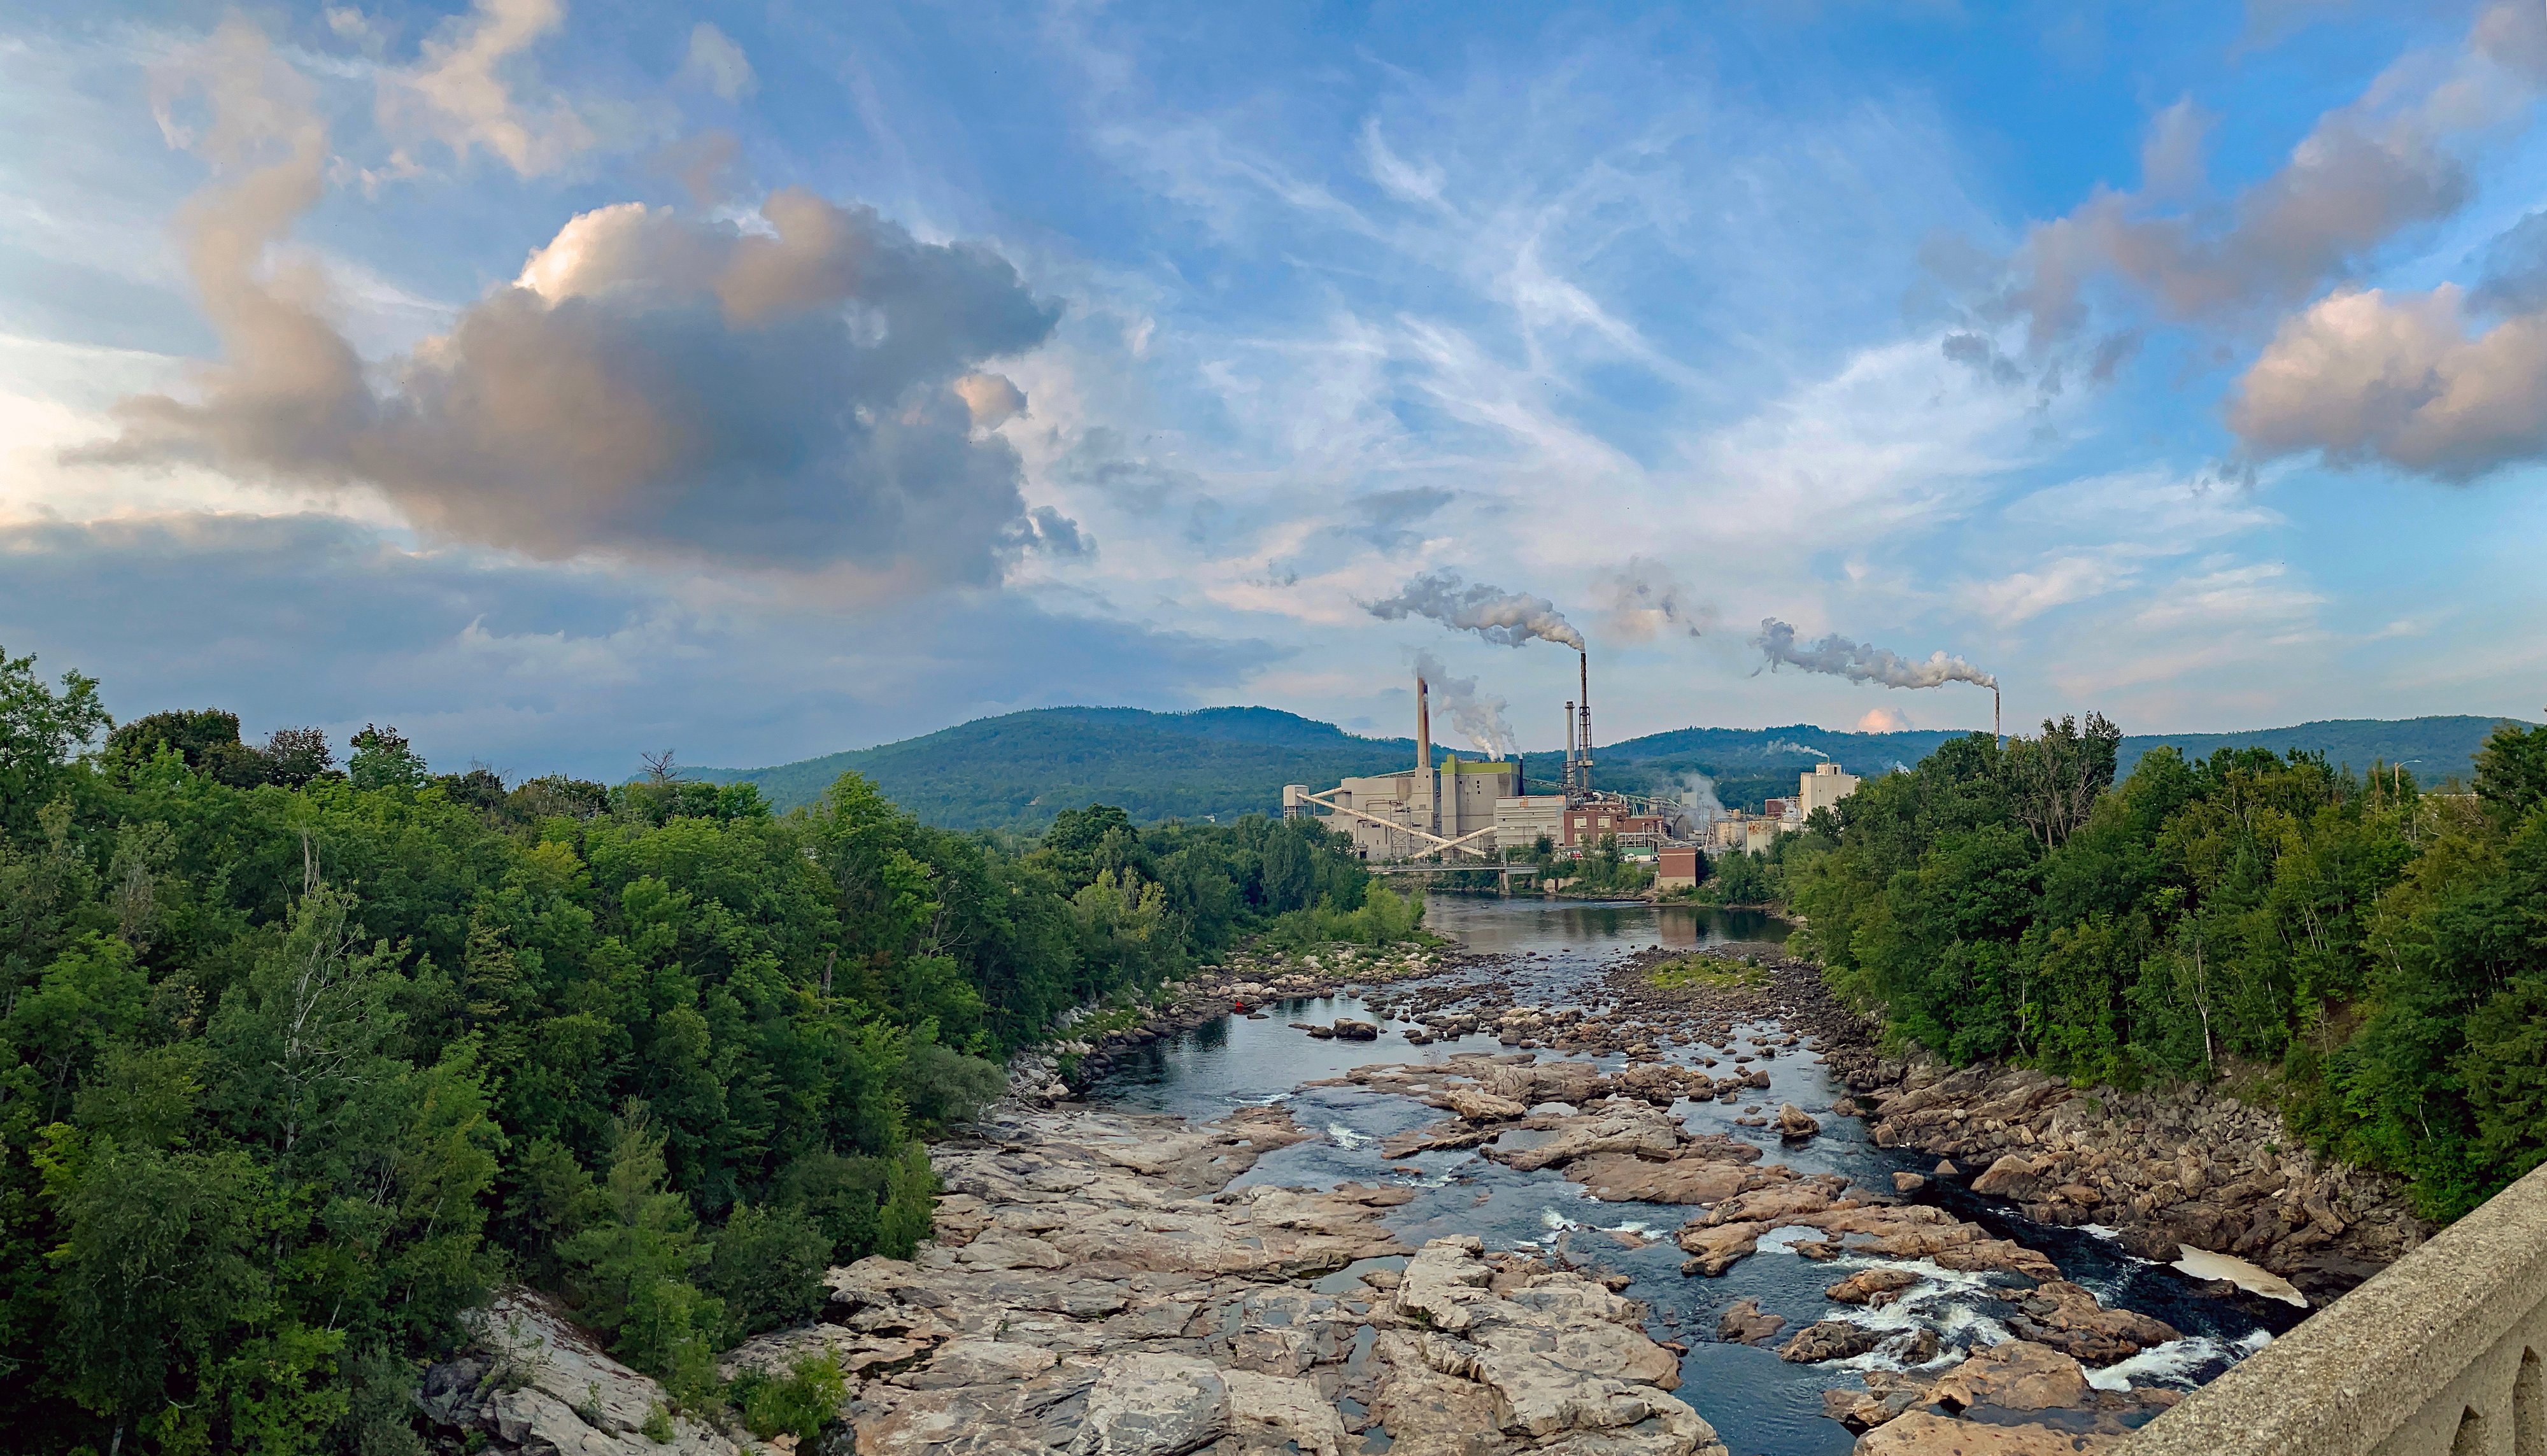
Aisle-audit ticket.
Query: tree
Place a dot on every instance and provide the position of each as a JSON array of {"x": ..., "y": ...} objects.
[
  {"x": 381, "y": 760},
  {"x": 209, "y": 741},
  {"x": 294, "y": 756},
  {"x": 157, "y": 1266},
  {"x": 631, "y": 1271},
  {"x": 2055, "y": 779},
  {"x": 40, "y": 730},
  {"x": 2511, "y": 770}
]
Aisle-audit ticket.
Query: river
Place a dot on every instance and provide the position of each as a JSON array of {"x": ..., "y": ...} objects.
[{"x": 1757, "y": 1403}]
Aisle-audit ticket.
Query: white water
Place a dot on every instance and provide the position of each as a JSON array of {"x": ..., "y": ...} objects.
[
  {"x": 2201, "y": 1263},
  {"x": 2176, "y": 1362}
]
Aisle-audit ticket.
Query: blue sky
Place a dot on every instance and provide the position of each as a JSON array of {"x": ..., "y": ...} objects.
[{"x": 559, "y": 383}]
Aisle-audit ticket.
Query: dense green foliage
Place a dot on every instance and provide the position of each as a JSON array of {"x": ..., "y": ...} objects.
[
  {"x": 296, "y": 1060},
  {"x": 1015, "y": 772},
  {"x": 1602, "y": 870},
  {"x": 2376, "y": 954}
]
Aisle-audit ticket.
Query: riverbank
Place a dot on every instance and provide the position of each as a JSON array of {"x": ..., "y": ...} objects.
[{"x": 2171, "y": 1172}]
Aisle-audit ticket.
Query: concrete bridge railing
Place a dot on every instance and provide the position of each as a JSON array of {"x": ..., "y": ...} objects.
[{"x": 2437, "y": 1355}]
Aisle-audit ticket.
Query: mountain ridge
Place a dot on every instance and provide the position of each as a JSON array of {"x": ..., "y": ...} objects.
[{"x": 1015, "y": 771}]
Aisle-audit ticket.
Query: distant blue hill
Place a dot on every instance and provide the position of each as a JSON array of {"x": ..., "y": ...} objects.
[{"x": 1017, "y": 770}]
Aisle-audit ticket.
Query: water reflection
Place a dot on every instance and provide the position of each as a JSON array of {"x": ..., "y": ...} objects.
[{"x": 1526, "y": 923}]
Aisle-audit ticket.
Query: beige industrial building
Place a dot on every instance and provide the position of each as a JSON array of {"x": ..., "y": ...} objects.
[
  {"x": 1448, "y": 799},
  {"x": 1822, "y": 787},
  {"x": 1455, "y": 806}
]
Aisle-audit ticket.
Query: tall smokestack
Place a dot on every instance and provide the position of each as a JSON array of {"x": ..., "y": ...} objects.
[
  {"x": 1423, "y": 726},
  {"x": 1566, "y": 779},
  {"x": 1585, "y": 664}
]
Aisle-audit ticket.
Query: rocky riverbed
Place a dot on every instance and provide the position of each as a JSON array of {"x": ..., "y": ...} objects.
[{"x": 1518, "y": 1200}]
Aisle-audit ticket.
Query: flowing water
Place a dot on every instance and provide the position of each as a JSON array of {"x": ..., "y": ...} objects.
[{"x": 1757, "y": 1403}]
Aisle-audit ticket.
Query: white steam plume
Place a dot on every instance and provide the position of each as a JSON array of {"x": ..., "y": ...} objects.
[
  {"x": 1792, "y": 746},
  {"x": 1510, "y": 618},
  {"x": 1699, "y": 805},
  {"x": 1478, "y": 717},
  {"x": 1643, "y": 600},
  {"x": 1859, "y": 663}
]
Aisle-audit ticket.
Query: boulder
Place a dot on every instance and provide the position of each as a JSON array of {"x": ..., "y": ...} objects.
[
  {"x": 1795, "y": 1125},
  {"x": 1886, "y": 1395},
  {"x": 1907, "y": 1184},
  {"x": 540, "y": 1382},
  {"x": 1476, "y": 1104},
  {"x": 2012, "y": 1176},
  {"x": 1745, "y": 1322},
  {"x": 2018, "y": 1375},
  {"x": 1830, "y": 1339},
  {"x": 1872, "y": 1287},
  {"x": 2068, "y": 1319},
  {"x": 1288, "y": 1412},
  {"x": 1347, "y": 1029}
]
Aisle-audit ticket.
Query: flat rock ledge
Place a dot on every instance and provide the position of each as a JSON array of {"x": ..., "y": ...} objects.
[
  {"x": 2017, "y": 1399},
  {"x": 1096, "y": 1289}
]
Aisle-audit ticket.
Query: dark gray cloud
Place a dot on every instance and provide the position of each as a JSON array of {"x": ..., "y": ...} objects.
[
  {"x": 1103, "y": 459},
  {"x": 803, "y": 394},
  {"x": 1976, "y": 353},
  {"x": 537, "y": 668}
]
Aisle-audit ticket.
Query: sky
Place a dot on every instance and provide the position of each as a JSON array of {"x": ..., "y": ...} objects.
[{"x": 559, "y": 383}]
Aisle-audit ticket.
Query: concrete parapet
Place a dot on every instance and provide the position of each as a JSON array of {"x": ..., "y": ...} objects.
[{"x": 2437, "y": 1355}]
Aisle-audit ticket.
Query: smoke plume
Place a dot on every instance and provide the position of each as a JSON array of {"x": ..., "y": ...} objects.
[
  {"x": 1699, "y": 805},
  {"x": 1510, "y": 618},
  {"x": 1644, "y": 600},
  {"x": 1862, "y": 662},
  {"x": 805, "y": 393},
  {"x": 1477, "y": 717}
]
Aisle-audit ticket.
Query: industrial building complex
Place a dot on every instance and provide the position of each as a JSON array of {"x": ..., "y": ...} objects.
[{"x": 1451, "y": 808}]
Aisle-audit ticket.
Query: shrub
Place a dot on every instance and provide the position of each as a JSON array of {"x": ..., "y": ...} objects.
[
  {"x": 800, "y": 1403},
  {"x": 767, "y": 1267}
]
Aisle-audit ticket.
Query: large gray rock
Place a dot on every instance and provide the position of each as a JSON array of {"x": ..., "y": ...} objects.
[
  {"x": 1830, "y": 1339},
  {"x": 535, "y": 1382},
  {"x": 1154, "y": 1405}
]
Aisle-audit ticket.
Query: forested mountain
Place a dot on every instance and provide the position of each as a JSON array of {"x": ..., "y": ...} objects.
[
  {"x": 298, "y": 1060},
  {"x": 1016, "y": 771}
]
